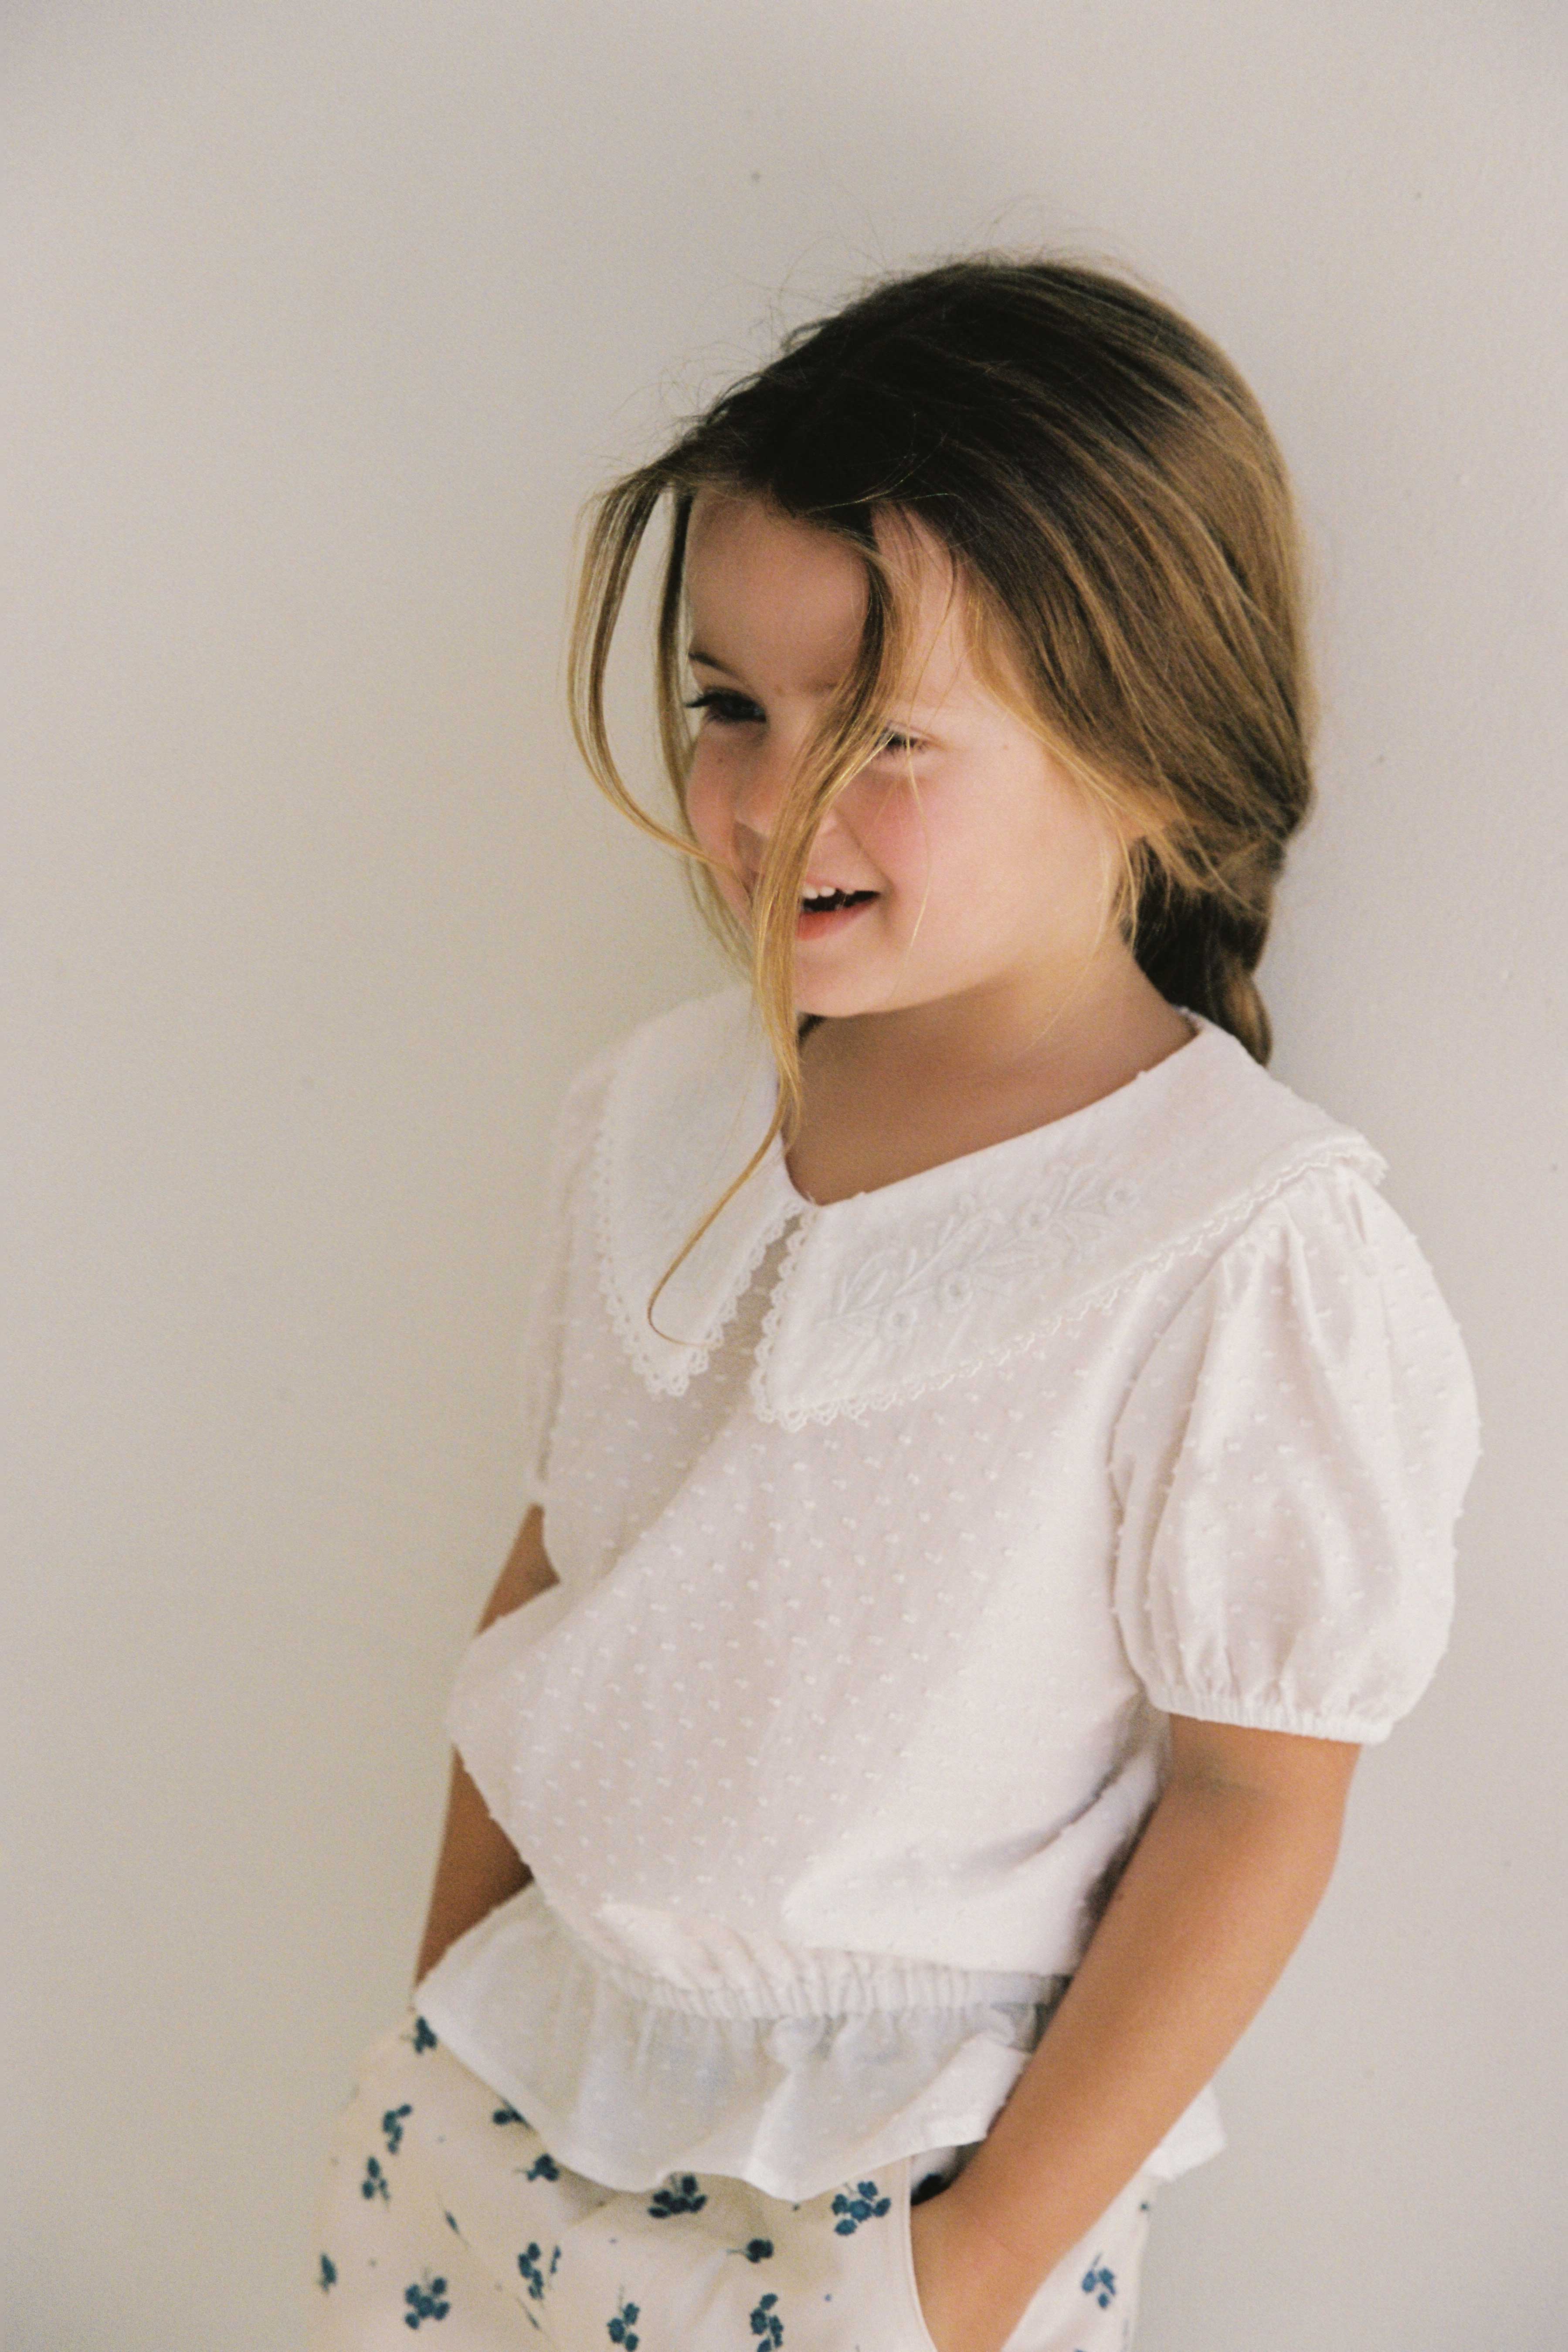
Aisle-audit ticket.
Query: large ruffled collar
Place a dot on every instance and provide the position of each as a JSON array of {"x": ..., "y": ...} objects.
[{"x": 920, "y": 1282}]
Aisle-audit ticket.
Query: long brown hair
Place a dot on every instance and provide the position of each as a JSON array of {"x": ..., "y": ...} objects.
[{"x": 1125, "y": 539}]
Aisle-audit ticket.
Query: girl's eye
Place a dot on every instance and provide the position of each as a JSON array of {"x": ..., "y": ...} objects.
[
  {"x": 732, "y": 709},
  {"x": 729, "y": 710}
]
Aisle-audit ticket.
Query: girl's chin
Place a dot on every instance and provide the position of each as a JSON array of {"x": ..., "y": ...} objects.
[{"x": 839, "y": 996}]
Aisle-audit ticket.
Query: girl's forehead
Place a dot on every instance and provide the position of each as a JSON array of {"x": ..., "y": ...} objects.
[
  {"x": 758, "y": 566},
  {"x": 763, "y": 586}
]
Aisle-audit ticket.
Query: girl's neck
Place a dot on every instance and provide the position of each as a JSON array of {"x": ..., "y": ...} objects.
[{"x": 889, "y": 1095}]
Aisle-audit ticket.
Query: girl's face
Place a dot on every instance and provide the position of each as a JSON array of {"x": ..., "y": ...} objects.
[{"x": 973, "y": 865}]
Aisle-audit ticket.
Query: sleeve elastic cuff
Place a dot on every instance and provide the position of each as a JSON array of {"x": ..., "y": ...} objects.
[{"x": 1259, "y": 1714}]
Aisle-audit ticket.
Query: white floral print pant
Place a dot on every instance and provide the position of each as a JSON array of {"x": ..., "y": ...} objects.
[{"x": 442, "y": 2208}]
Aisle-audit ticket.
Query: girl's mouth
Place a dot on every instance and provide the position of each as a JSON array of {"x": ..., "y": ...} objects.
[{"x": 830, "y": 911}]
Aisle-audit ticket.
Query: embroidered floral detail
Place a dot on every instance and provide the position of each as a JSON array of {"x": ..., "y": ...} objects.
[
  {"x": 328, "y": 2275},
  {"x": 392, "y": 2125},
  {"x": 422, "y": 2037},
  {"x": 974, "y": 1252},
  {"x": 681, "y": 2196},
  {"x": 755, "y": 2249},
  {"x": 374, "y": 2182},
  {"x": 766, "y": 2324},
  {"x": 509, "y": 2116},
  {"x": 620, "y": 2329},
  {"x": 543, "y": 2168},
  {"x": 853, "y": 1370},
  {"x": 866, "y": 2205}
]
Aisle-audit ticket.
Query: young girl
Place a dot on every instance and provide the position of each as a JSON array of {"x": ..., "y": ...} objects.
[{"x": 992, "y": 1452}]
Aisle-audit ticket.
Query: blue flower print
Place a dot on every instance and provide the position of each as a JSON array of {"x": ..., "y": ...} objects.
[
  {"x": 681, "y": 2196},
  {"x": 392, "y": 2125},
  {"x": 328, "y": 2275},
  {"x": 756, "y": 2250},
  {"x": 508, "y": 2115},
  {"x": 1100, "y": 2283},
  {"x": 620, "y": 2329},
  {"x": 427, "y": 2300},
  {"x": 528, "y": 2264},
  {"x": 554, "y": 2258},
  {"x": 374, "y": 2181},
  {"x": 766, "y": 2324},
  {"x": 543, "y": 2168},
  {"x": 866, "y": 2205},
  {"x": 422, "y": 2037}
]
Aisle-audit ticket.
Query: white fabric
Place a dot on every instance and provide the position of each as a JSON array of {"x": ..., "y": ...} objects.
[{"x": 882, "y": 1569}]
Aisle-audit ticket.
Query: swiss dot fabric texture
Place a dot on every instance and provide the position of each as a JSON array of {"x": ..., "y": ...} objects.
[
  {"x": 442, "y": 2207},
  {"x": 886, "y": 1550}
]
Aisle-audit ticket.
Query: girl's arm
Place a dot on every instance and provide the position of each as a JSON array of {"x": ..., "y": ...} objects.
[
  {"x": 479, "y": 1865},
  {"x": 1219, "y": 1890}
]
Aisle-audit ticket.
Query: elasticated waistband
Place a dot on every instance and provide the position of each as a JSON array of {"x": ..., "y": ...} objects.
[{"x": 820, "y": 1982}]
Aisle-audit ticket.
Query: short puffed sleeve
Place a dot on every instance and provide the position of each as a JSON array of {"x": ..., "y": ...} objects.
[
  {"x": 1289, "y": 1463},
  {"x": 566, "y": 1171}
]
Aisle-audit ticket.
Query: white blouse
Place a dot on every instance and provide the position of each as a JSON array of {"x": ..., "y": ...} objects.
[{"x": 884, "y": 1558}]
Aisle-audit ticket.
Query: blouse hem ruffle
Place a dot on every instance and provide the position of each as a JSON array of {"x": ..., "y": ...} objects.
[{"x": 1196, "y": 2138}]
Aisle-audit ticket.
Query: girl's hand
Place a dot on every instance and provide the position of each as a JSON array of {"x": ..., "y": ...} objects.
[{"x": 971, "y": 2290}]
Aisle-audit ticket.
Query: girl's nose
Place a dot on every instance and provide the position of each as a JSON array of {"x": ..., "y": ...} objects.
[{"x": 752, "y": 835}]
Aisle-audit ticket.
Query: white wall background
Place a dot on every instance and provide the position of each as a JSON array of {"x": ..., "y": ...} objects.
[{"x": 317, "y": 321}]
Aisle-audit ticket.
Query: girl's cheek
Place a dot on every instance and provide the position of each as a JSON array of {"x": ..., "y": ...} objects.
[
  {"x": 888, "y": 831},
  {"x": 708, "y": 813}
]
